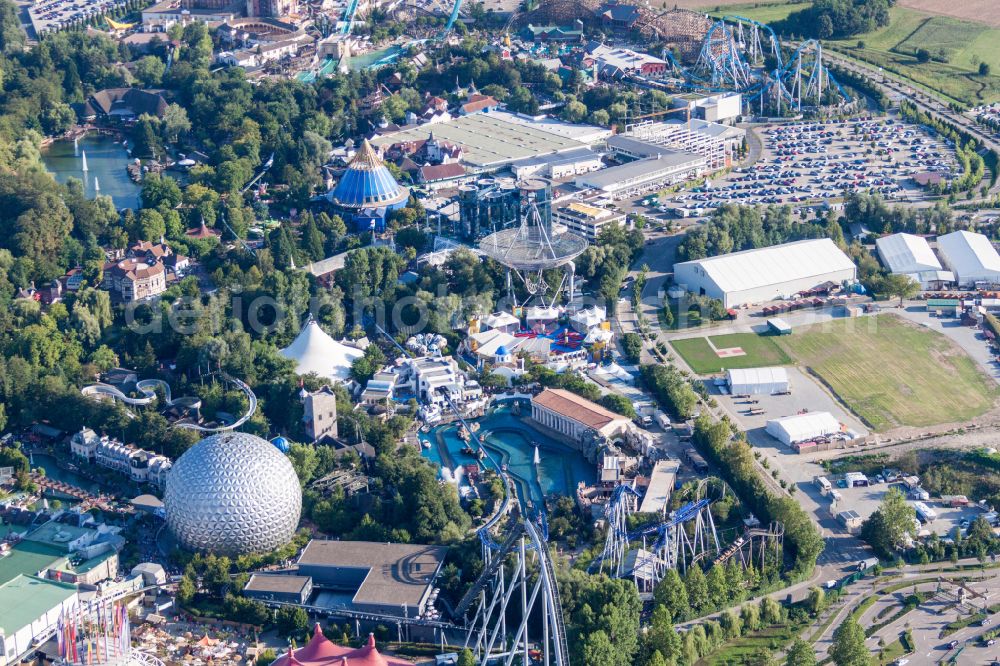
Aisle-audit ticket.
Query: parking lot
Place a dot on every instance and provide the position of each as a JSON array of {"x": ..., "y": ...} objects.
[
  {"x": 810, "y": 163},
  {"x": 865, "y": 500},
  {"x": 55, "y": 15}
]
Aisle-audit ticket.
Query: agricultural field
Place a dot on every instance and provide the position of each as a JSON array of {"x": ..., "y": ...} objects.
[
  {"x": 984, "y": 11},
  {"x": 891, "y": 372},
  {"x": 707, "y": 355}
]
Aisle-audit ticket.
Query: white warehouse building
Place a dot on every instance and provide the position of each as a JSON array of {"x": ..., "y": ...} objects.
[
  {"x": 971, "y": 257},
  {"x": 802, "y": 427},
  {"x": 757, "y": 381},
  {"x": 906, "y": 254},
  {"x": 766, "y": 274}
]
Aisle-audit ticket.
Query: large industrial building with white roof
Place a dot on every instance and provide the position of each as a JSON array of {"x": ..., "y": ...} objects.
[
  {"x": 766, "y": 274},
  {"x": 971, "y": 257},
  {"x": 906, "y": 254}
]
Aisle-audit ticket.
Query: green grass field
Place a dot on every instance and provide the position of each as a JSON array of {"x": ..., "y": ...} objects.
[
  {"x": 965, "y": 44},
  {"x": 758, "y": 11},
  {"x": 760, "y": 351},
  {"x": 891, "y": 372}
]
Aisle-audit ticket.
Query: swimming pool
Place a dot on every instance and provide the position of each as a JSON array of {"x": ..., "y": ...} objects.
[{"x": 511, "y": 440}]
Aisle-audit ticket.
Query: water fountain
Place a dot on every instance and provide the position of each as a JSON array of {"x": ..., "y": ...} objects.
[{"x": 84, "y": 168}]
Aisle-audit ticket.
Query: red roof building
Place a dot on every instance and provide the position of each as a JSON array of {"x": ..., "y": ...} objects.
[
  {"x": 478, "y": 103},
  {"x": 321, "y": 651}
]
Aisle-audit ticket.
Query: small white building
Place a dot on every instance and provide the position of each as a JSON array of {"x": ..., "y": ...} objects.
[
  {"x": 802, "y": 427},
  {"x": 757, "y": 381},
  {"x": 766, "y": 274},
  {"x": 718, "y": 108},
  {"x": 426, "y": 378},
  {"x": 971, "y": 257},
  {"x": 84, "y": 444}
]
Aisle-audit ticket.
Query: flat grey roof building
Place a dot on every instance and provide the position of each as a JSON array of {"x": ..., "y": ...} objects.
[
  {"x": 279, "y": 587},
  {"x": 497, "y": 138},
  {"x": 384, "y": 577},
  {"x": 646, "y": 175}
]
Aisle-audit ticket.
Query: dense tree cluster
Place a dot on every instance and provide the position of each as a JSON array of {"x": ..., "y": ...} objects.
[
  {"x": 671, "y": 389},
  {"x": 733, "y": 228},
  {"x": 734, "y": 458},
  {"x": 837, "y": 19}
]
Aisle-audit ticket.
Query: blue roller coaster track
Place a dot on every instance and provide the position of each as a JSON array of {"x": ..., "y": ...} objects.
[{"x": 742, "y": 55}]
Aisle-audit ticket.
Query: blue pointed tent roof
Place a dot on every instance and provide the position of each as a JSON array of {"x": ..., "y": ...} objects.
[{"x": 368, "y": 183}]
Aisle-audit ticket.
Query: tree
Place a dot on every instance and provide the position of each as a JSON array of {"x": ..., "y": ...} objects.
[
  {"x": 574, "y": 112},
  {"x": 149, "y": 70},
  {"x": 824, "y": 27},
  {"x": 292, "y": 621},
  {"x": 901, "y": 286},
  {"x": 816, "y": 600},
  {"x": 984, "y": 69},
  {"x": 185, "y": 591},
  {"x": 800, "y": 654},
  {"x": 732, "y": 624},
  {"x": 598, "y": 650},
  {"x": 887, "y": 528},
  {"x": 618, "y": 404},
  {"x": 671, "y": 593},
  {"x": 632, "y": 346},
  {"x": 175, "y": 122},
  {"x": 662, "y": 636},
  {"x": 697, "y": 588},
  {"x": 718, "y": 591},
  {"x": 849, "y": 647}
]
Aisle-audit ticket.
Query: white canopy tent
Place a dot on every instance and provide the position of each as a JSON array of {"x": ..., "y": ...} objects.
[{"x": 316, "y": 352}]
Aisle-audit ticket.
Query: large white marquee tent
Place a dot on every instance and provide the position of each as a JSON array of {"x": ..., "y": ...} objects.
[
  {"x": 755, "y": 381},
  {"x": 802, "y": 427},
  {"x": 768, "y": 273}
]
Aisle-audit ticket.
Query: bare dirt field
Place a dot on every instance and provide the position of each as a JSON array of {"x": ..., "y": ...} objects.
[{"x": 983, "y": 11}]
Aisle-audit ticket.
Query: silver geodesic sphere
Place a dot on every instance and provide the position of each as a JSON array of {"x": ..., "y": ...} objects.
[{"x": 233, "y": 493}]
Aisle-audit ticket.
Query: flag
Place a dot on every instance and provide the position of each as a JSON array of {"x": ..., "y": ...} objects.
[{"x": 60, "y": 639}]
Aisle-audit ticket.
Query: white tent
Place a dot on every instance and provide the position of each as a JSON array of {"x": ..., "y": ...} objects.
[
  {"x": 906, "y": 253},
  {"x": 802, "y": 427},
  {"x": 315, "y": 351},
  {"x": 971, "y": 256},
  {"x": 757, "y": 380}
]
